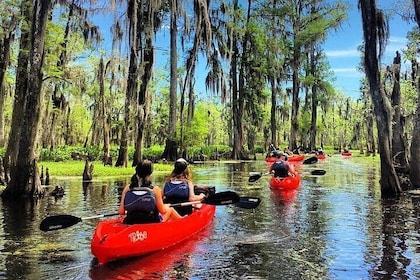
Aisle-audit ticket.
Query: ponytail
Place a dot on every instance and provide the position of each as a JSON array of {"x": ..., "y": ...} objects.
[{"x": 143, "y": 169}]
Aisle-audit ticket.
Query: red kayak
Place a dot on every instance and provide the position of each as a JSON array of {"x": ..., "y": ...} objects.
[
  {"x": 345, "y": 154},
  {"x": 320, "y": 156},
  {"x": 296, "y": 157},
  {"x": 285, "y": 183},
  {"x": 270, "y": 159},
  {"x": 114, "y": 240}
]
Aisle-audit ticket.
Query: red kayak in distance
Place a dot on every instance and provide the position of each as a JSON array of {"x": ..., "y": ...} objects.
[
  {"x": 295, "y": 158},
  {"x": 321, "y": 156},
  {"x": 270, "y": 159},
  {"x": 346, "y": 154},
  {"x": 285, "y": 183},
  {"x": 113, "y": 240}
]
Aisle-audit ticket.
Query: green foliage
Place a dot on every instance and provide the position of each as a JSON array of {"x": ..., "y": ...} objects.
[{"x": 154, "y": 151}]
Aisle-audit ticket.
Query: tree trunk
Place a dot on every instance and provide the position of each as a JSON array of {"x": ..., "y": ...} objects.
[
  {"x": 144, "y": 98},
  {"x": 390, "y": 186},
  {"x": 4, "y": 63},
  {"x": 314, "y": 103},
  {"x": 103, "y": 115},
  {"x": 399, "y": 149},
  {"x": 20, "y": 174},
  {"x": 415, "y": 141},
  {"x": 171, "y": 142},
  {"x": 273, "y": 117},
  {"x": 132, "y": 85},
  {"x": 294, "y": 128},
  {"x": 11, "y": 153}
]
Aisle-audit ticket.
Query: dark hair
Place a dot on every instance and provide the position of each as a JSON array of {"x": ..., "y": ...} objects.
[
  {"x": 143, "y": 169},
  {"x": 180, "y": 170},
  {"x": 179, "y": 167}
]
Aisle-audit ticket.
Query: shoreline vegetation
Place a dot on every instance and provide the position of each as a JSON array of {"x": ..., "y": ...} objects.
[{"x": 74, "y": 168}]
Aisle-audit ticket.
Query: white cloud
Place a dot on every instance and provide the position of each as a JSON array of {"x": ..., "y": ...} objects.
[
  {"x": 343, "y": 53},
  {"x": 344, "y": 70}
]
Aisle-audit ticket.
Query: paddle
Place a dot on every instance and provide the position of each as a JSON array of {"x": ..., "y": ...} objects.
[
  {"x": 248, "y": 202},
  {"x": 256, "y": 176},
  {"x": 318, "y": 172},
  {"x": 222, "y": 198},
  {"x": 310, "y": 160}
]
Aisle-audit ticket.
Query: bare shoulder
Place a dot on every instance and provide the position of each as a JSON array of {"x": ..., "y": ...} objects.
[{"x": 157, "y": 189}]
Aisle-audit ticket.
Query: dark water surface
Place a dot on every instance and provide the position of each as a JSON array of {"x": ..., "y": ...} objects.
[{"x": 334, "y": 226}]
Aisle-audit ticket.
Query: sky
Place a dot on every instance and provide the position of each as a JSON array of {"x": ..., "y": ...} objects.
[{"x": 340, "y": 48}]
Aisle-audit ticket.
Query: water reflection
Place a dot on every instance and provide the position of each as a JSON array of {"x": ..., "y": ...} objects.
[{"x": 334, "y": 226}]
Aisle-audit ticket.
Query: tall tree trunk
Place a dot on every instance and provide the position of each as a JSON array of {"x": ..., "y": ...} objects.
[
  {"x": 390, "y": 186},
  {"x": 399, "y": 149},
  {"x": 5, "y": 45},
  {"x": 21, "y": 183},
  {"x": 294, "y": 128},
  {"x": 415, "y": 140},
  {"x": 143, "y": 104},
  {"x": 314, "y": 102},
  {"x": 132, "y": 83},
  {"x": 273, "y": 116},
  {"x": 171, "y": 147},
  {"x": 21, "y": 86},
  {"x": 238, "y": 98},
  {"x": 103, "y": 115}
]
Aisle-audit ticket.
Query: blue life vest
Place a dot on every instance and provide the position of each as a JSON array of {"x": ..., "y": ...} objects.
[
  {"x": 140, "y": 200},
  {"x": 280, "y": 169},
  {"x": 176, "y": 190}
]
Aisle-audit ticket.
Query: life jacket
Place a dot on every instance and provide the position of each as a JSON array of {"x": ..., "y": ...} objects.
[
  {"x": 280, "y": 169},
  {"x": 140, "y": 199},
  {"x": 177, "y": 191}
]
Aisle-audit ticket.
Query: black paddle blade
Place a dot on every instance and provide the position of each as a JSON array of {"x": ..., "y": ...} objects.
[
  {"x": 58, "y": 222},
  {"x": 222, "y": 198},
  {"x": 318, "y": 172},
  {"x": 253, "y": 178},
  {"x": 248, "y": 202},
  {"x": 310, "y": 160}
]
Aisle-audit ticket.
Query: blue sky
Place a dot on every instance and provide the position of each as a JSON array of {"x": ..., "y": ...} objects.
[{"x": 341, "y": 49}]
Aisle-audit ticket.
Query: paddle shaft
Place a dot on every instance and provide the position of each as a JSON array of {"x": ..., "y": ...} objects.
[
  {"x": 99, "y": 216},
  {"x": 224, "y": 198}
]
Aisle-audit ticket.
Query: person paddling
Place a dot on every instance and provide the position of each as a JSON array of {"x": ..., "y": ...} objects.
[
  {"x": 281, "y": 168},
  {"x": 141, "y": 202},
  {"x": 180, "y": 188}
]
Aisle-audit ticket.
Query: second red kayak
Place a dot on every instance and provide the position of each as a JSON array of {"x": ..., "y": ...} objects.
[
  {"x": 295, "y": 157},
  {"x": 285, "y": 183},
  {"x": 114, "y": 240}
]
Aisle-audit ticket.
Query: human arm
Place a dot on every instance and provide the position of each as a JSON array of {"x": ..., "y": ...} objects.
[
  {"x": 121, "y": 209},
  {"x": 162, "y": 207},
  {"x": 291, "y": 168},
  {"x": 168, "y": 213},
  {"x": 193, "y": 196}
]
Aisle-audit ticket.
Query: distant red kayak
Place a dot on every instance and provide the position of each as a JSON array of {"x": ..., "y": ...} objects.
[
  {"x": 114, "y": 240},
  {"x": 271, "y": 159},
  {"x": 296, "y": 157},
  {"x": 346, "y": 154},
  {"x": 285, "y": 183},
  {"x": 321, "y": 156}
]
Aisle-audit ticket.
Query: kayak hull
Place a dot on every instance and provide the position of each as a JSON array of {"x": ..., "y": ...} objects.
[
  {"x": 296, "y": 157},
  {"x": 271, "y": 159},
  {"x": 346, "y": 154},
  {"x": 285, "y": 183},
  {"x": 321, "y": 156},
  {"x": 114, "y": 240}
]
